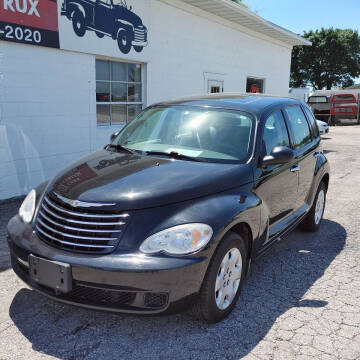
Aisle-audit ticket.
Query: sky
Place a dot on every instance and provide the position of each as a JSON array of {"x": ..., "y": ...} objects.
[{"x": 300, "y": 15}]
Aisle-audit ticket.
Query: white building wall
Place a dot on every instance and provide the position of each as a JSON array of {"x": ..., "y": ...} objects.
[
  {"x": 185, "y": 45},
  {"x": 48, "y": 100},
  {"x": 45, "y": 116}
]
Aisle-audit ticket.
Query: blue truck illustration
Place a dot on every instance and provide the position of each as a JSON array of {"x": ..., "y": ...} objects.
[{"x": 107, "y": 18}]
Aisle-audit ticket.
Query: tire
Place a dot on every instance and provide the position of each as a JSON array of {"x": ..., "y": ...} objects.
[
  {"x": 314, "y": 218},
  {"x": 138, "y": 49},
  {"x": 78, "y": 21},
  {"x": 207, "y": 308},
  {"x": 124, "y": 41},
  {"x": 99, "y": 34}
]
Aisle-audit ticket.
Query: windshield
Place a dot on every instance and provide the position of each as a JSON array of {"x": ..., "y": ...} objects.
[{"x": 213, "y": 135}]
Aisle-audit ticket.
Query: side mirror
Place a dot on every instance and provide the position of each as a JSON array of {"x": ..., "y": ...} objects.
[
  {"x": 114, "y": 136},
  {"x": 279, "y": 155}
]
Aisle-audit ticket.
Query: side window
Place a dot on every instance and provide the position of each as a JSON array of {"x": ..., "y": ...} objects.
[
  {"x": 275, "y": 133},
  {"x": 298, "y": 125},
  {"x": 314, "y": 126}
]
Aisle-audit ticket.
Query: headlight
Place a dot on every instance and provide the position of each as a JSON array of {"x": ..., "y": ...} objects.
[
  {"x": 178, "y": 240},
  {"x": 27, "y": 208}
]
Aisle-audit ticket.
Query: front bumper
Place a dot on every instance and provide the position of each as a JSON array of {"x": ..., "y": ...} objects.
[
  {"x": 129, "y": 283},
  {"x": 139, "y": 43}
]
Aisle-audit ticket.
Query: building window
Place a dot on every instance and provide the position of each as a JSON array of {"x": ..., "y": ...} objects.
[
  {"x": 118, "y": 92},
  {"x": 215, "y": 86},
  {"x": 214, "y": 82},
  {"x": 254, "y": 85}
]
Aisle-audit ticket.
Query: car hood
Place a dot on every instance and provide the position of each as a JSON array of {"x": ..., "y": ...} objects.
[
  {"x": 137, "y": 182},
  {"x": 124, "y": 14}
]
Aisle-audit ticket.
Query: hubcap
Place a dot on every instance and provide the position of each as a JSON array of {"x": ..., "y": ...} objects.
[
  {"x": 319, "y": 207},
  {"x": 228, "y": 278}
]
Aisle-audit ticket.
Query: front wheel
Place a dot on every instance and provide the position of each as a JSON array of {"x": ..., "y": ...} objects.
[
  {"x": 138, "y": 49},
  {"x": 124, "y": 41},
  {"x": 223, "y": 281},
  {"x": 78, "y": 21},
  {"x": 313, "y": 219}
]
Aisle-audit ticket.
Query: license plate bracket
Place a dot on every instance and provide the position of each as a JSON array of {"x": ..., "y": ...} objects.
[{"x": 53, "y": 274}]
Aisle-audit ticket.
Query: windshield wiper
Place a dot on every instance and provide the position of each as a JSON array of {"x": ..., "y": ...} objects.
[
  {"x": 120, "y": 147},
  {"x": 174, "y": 155}
]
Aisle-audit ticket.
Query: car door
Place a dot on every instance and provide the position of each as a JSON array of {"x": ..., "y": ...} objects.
[
  {"x": 277, "y": 185},
  {"x": 104, "y": 19},
  {"x": 306, "y": 146}
]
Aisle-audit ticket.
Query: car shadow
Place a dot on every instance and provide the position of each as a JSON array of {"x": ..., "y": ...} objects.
[
  {"x": 8, "y": 209},
  {"x": 278, "y": 282}
]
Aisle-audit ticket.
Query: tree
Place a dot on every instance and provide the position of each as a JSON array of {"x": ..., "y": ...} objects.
[
  {"x": 333, "y": 60},
  {"x": 240, "y": 2}
]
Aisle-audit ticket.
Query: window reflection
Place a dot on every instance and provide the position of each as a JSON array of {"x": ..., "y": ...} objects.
[
  {"x": 103, "y": 114},
  {"x": 102, "y": 91},
  {"x": 118, "y": 92},
  {"x": 118, "y": 114}
]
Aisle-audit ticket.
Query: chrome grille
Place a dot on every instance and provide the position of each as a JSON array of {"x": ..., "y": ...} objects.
[
  {"x": 140, "y": 34},
  {"x": 79, "y": 229}
]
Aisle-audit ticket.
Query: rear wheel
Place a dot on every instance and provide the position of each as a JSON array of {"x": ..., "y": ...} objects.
[
  {"x": 78, "y": 21},
  {"x": 124, "y": 41},
  {"x": 313, "y": 219},
  {"x": 223, "y": 281}
]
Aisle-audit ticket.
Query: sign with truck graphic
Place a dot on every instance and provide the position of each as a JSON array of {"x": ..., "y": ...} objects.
[
  {"x": 103, "y": 27},
  {"x": 111, "y": 18}
]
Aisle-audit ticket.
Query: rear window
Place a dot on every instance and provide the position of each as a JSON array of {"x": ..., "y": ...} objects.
[
  {"x": 348, "y": 98},
  {"x": 317, "y": 99}
]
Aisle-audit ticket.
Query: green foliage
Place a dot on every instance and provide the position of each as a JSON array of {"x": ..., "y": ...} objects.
[
  {"x": 240, "y": 2},
  {"x": 333, "y": 60}
]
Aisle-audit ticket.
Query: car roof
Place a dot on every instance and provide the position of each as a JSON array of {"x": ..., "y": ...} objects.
[{"x": 255, "y": 104}]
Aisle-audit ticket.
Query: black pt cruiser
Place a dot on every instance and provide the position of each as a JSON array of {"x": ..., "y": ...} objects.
[{"x": 175, "y": 209}]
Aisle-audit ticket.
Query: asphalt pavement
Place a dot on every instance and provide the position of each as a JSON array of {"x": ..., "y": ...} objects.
[{"x": 301, "y": 301}]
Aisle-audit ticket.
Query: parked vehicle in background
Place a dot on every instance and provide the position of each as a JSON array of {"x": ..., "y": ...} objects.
[
  {"x": 301, "y": 94},
  {"x": 107, "y": 17},
  {"x": 344, "y": 106},
  {"x": 323, "y": 127},
  {"x": 320, "y": 106},
  {"x": 335, "y": 106},
  {"x": 172, "y": 212}
]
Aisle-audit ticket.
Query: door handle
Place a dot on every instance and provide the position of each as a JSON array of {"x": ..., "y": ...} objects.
[
  {"x": 295, "y": 168},
  {"x": 317, "y": 154}
]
